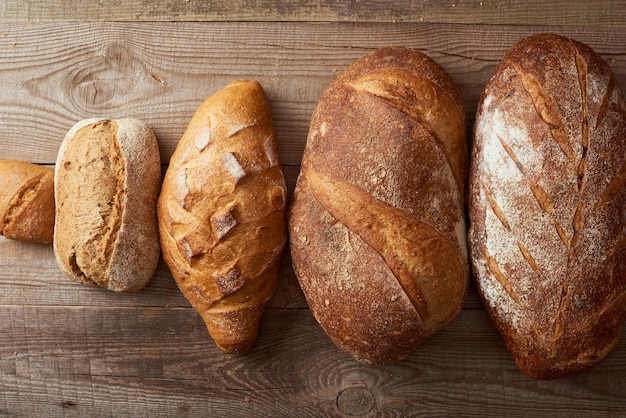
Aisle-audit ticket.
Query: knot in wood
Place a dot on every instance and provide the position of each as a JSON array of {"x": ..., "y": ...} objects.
[
  {"x": 111, "y": 78},
  {"x": 355, "y": 401}
]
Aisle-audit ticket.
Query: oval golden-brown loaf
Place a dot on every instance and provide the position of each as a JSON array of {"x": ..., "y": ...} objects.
[
  {"x": 377, "y": 229},
  {"x": 548, "y": 205},
  {"x": 222, "y": 213}
]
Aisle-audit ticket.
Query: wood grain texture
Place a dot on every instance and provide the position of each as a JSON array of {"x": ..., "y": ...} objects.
[
  {"x": 57, "y": 74},
  {"x": 102, "y": 362},
  {"x": 98, "y": 374},
  {"x": 531, "y": 12},
  {"x": 72, "y": 350}
]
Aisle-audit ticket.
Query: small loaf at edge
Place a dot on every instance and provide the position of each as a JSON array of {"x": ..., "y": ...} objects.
[
  {"x": 548, "y": 205},
  {"x": 377, "y": 226},
  {"x": 107, "y": 180},
  {"x": 222, "y": 215},
  {"x": 26, "y": 201}
]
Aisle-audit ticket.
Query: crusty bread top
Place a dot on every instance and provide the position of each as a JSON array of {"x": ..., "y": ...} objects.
[
  {"x": 414, "y": 84},
  {"x": 412, "y": 97},
  {"x": 224, "y": 186},
  {"x": 26, "y": 201},
  {"x": 547, "y": 206},
  {"x": 107, "y": 180}
]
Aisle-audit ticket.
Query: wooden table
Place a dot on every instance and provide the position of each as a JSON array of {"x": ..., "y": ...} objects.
[{"x": 72, "y": 350}]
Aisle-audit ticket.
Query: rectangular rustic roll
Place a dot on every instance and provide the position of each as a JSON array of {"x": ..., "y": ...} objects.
[
  {"x": 548, "y": 205},
  {"x": 107, "y": 180},
  {"x": 377, "y": 226}
]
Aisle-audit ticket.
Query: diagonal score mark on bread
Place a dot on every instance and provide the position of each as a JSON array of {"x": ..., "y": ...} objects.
[
  {"x": 427, "y": 103},
  {"x": 379, "y": 224},
  {"x": 615, "y": 188},
  {"x": 608, "y": 102},
  {"x": 542, "y": 197},
  {"x": 26, "y": 201},
  {"x": 23, "y": 196},
  {"x": 617, "y": 185},
  {"x": 547, "y": 109}
]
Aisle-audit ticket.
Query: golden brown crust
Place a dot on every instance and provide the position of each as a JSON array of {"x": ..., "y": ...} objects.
[
  {"x": 547, "y": 205},
  {"x": 377, "y": 229},
  {"x": 26, "y": 201},
  {"x": 107, "y": 181},
  {"x": 222, "y": 213}
]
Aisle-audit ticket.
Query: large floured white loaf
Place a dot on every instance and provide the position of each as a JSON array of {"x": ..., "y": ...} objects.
[{"x": 548, "y": 207}]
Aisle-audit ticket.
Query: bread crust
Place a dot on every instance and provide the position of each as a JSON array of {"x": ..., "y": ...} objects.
[
  {"x": 377, "y": 228},
  {"x": 26, "y": 201},
  {"x": 547, "y": 205},
  {"x": 107, "y": 179},
  {"x": 222, "y": 213}
]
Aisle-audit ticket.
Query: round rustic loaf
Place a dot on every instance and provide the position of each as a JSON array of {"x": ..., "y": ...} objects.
[
  {"x": 377, "y": 227},
  {"x": 107, "y": 179},
  {"x": 548, "y": 205}
]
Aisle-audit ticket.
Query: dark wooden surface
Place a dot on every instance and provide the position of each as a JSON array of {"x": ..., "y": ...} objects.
[{"x": 72, "y": 350}]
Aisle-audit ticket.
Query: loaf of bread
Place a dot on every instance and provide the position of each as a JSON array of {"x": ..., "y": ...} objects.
[
  {"x": 107, "y": 180},
  {"x": 377, "y": 226},
  {"x": 26, "y": 201},
  {"x": 222, "y": 216},
  {"x": 548, "y": 205}
]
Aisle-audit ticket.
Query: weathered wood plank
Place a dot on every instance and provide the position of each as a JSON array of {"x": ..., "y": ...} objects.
[
  {"x": 29, "y": 276},
  {"x": 56, "y": 74},
  {"x": 57, "y": 361},
  {"x": 530, "y": 12}
]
